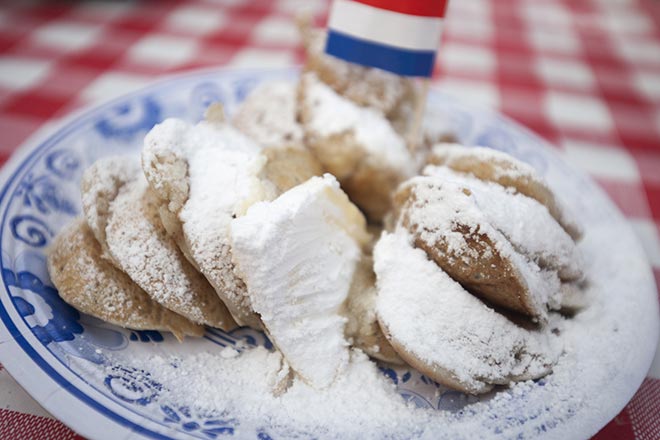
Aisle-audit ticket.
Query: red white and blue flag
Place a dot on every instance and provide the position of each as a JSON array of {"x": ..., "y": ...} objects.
[{"x": 400, "y": 36}]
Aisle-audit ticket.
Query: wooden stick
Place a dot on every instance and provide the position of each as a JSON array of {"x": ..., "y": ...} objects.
[{"x": 415, "y": 134}]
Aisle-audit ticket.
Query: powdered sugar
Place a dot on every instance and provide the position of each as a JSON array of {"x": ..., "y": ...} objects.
[
  {"x": 443, "y": 325},
  {"x": 297, "y": 255},
  {"x": 496, "y": 166},
  {"x": 505, "y": 165},
  {"x": 100, "y": 185},
  {"x": 439, "y": 211},
  {"x": 140, "y": 246},
  {"x": 333, "y": 114},
  {"x": 246, "y": 382},
  {"x": 222, "y": 181},
  {"x": 520, "y": 218}
]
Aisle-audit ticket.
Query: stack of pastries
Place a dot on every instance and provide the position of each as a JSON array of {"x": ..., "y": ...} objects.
[{"x": 310, "y": 215}]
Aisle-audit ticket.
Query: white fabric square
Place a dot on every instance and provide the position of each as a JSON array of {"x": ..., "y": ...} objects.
[
  {"x": 480, "y": 93},
  {"x": 16, "y": 398},
  {"x": 262, "y": 58},
  {"x": 163, "y": 50},
  {"x": 472, "y": 29},
  {"x": 577, "y": 112},
  {"x": 302, "y": 6},
  {"x": 466, "y": 58},
  {"x": 67, "y": 36},
  {"x": 20, "y": 73},
  {"x": 276, "y": 30},
  {"x": 196, "y": 20},
  {"x": 608, "y": 162},
  {"x": 638, "y": 50},
  {"x": 549, "y": 13},
  {"x": 547, "y": 39},
  {"x": 648, "y": 84},
  {"x": 627, "y": 21},
  {"x": 473, "y": 7},
  {"x": 113, "y": 84},
  {"x": 565, "y": 72}
]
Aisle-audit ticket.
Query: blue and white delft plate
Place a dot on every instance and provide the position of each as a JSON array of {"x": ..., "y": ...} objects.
[{"x": 80, "y": 369}]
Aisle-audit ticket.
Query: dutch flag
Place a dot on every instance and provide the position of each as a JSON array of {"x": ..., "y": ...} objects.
[{"x": 400, "y": 36}]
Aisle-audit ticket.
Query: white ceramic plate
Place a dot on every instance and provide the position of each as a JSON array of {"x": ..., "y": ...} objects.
[{"x": 80, "y": 369}]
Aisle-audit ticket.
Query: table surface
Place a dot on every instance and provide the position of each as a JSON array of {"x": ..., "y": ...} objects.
[{"x": 584, "y": 74}]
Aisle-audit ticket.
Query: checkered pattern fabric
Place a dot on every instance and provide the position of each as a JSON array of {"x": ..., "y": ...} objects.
[{"x": 584, "y": 74}]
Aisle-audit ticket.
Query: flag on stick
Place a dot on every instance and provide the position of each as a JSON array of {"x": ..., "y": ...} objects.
[{"x": 400, "y": 36}]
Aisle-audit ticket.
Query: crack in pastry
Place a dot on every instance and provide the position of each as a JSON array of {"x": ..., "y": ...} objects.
[{"x": 91, "y": 284}]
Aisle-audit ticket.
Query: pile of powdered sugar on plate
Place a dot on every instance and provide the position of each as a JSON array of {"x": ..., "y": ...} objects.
[{"x": 240, "y": 386}]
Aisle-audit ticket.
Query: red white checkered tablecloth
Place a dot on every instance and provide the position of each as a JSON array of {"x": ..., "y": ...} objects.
[{"x": 584, "y": 74}]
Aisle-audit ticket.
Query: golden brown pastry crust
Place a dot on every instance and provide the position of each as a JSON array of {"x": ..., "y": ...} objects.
[
  {"x": 365, "y": 176},
  {"x": 480, "y": 266},
  {"x": 123, "y": 214},
  {"x": 92, "y": 285},
  {"x": 288, "y": 166},
  {"x": 167, "y": 175}
]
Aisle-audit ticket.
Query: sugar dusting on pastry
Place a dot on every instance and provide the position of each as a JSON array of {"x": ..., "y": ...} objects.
[
  {"x": 140, "y": 246},
  {"x": 437, "y": 321},
  {"x": 520, "y": 218},
  {"x": 94, "y": 286},
  {"x": 332, "y": 114},
  {"x": 219, "y": 181},
  {"x": 447, "y": 220},
  {"x": 297, "y": 255}
]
